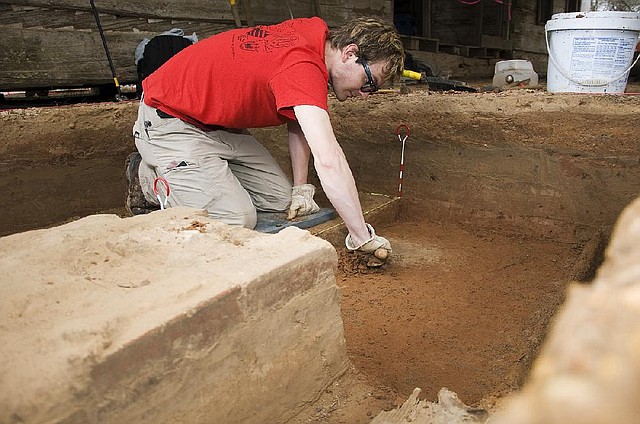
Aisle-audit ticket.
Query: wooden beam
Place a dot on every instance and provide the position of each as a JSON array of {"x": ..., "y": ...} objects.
[
  {"x": 175, "y": 9},
  {"x": 479, "y": 8},
  {"x": 55, "y": 43},
  {"x": 62, "y": 58},
  {"x": 496, "y": 43},
  {"x": 248, "y": 13},
  {"x": 316, "y": 8},
  {"x": 334, "y": 12},
  {"x": 426, "y": 18}
]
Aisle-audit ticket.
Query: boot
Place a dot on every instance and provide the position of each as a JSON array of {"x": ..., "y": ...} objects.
[{"x": 136, "y": 203}]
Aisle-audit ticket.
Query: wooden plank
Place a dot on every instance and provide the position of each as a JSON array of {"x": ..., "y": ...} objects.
[
  {"x": 452, "y": 49},
  {"x": 419, "y": 43},
  {"x": 38, "y": 55},
  {"x": 316, "y": 8},
  {"x": 198, "y": 10},
  {"x": 179, "y": 9},
  {"x": 334, "y": 12},
  {"x": 479, "y": 14},
  {"x": 428, "y": 45},
  {"x": 410, "y": 43},
  {"x": 496, "y": 43},
  {"x": 453, "y": 23},
  {"x": 32, "y": 58},
  {"x": 477, "y": 52},
  {"x": 248, "y": 13},
  {"x": 426, "y": 18},
  {"x": 526, "y": 33}
]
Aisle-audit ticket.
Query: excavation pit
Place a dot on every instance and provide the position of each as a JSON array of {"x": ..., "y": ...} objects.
[{"x": 507, "y": 198}]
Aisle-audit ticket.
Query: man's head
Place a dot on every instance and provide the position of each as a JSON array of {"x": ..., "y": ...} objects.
[{"x": 370, "y": 53}]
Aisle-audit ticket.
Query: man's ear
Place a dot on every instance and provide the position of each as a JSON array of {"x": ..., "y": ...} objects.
[{"x": 348, "y": 52}]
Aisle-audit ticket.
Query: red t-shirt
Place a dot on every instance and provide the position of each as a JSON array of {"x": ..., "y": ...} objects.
[{"x": 244, "y": 78}]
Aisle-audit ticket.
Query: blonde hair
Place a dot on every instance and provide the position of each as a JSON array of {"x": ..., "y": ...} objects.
[{"x": 376, "y": 41}]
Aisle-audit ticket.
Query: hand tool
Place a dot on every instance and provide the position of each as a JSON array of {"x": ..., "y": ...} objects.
[
  {"x": 412, "y": 74},
  {"x": 437, "y": 83},
  {"x": 119, "y": 95},
  {"x": 236, "y": 16}
]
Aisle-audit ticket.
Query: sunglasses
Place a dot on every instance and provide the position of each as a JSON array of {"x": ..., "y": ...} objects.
[{"x": 370, "y": 86}]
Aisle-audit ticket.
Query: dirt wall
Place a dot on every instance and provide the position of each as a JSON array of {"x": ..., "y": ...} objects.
[{"x": 563, "y": 165}]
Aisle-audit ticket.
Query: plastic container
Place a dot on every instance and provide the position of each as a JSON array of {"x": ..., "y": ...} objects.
[
  {"x": 514, "y": 73},
  {"x": 591, "y": 51}
]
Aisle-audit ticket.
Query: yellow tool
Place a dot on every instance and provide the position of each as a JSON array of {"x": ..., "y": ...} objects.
[
  {"x": 438, "y": 84},
  {"x": 412, "y": 74}
]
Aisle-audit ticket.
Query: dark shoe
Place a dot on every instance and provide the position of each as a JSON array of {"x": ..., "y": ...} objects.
[{"x": 136, "y": 203}]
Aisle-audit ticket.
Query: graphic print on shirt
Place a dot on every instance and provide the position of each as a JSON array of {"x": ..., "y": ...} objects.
[{"x": 267, "y": 38}]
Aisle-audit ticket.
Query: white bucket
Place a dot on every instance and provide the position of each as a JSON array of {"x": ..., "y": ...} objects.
[{"x": 591, "y": 51}]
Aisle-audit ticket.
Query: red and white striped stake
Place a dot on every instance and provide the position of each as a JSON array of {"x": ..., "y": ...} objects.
[{"x": 402, "y": 139}]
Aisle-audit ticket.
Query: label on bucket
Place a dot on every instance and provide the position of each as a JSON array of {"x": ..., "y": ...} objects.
[{"x": 595, "y": 59}]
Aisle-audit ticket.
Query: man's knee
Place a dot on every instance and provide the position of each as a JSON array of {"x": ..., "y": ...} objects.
[
  {"x": 247, "y": 219},
  {"x": 277, "y": 199},
  {"x": 282, "y": 201}
]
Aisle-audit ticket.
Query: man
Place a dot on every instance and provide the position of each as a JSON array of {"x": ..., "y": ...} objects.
[{"x": 192, "y": 120}]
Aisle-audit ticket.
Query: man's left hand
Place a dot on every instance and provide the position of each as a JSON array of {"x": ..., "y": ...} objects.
[{"x": 302, "y": 202}]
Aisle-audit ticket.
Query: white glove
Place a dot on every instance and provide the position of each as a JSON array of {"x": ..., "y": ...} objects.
[
  {"x": 373, "y": 245},
  {"x": 302, "y": 202}
]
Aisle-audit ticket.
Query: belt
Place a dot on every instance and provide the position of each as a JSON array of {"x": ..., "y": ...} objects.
[{"x": 165, "y": 115}]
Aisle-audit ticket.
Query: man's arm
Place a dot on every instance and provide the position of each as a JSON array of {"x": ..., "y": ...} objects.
[
  {"x": 302, "y": 202},
  {"x": 299, "y": 152},
  {"x": 331, "y": 165}
]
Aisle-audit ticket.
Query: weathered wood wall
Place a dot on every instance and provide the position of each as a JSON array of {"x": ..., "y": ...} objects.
[
  {"x": 55, "y": 43},
  {"x": 527, "y": 34},
  {"x": 481, "y": 27},
  {"x": 453, "y": 22}
]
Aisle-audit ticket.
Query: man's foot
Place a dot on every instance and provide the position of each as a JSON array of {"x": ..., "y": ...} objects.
[{"x": 136, "y": 203}]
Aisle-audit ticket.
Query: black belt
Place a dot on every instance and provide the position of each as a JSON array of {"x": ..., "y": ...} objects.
[{"x": 163, "y": 115}]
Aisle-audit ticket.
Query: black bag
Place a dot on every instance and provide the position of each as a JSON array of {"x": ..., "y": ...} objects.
[{"x": 156, "y": 52}]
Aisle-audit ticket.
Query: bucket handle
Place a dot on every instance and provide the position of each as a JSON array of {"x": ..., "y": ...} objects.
[{"x": 564, "y": 74}]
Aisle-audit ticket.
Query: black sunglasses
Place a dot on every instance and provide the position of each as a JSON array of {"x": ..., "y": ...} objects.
[{"x": 370, "y": 86}]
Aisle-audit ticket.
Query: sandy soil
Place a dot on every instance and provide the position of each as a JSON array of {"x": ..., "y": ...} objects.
[
  {"x": 457, "y": 306},
  {"x": 454, "y": 308}
]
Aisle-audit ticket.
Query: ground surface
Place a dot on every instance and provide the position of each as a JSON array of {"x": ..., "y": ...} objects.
[
  {"x": 453, "y": 309},
  {"x": 457, "y": 306}
]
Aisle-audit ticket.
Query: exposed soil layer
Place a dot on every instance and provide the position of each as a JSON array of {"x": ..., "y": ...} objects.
[
  {"x": 454, "y": 308},
  {"x": 502, "y": 193}
]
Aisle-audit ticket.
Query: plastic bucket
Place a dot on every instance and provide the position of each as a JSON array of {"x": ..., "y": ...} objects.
[{"x": 591, "y": 51}]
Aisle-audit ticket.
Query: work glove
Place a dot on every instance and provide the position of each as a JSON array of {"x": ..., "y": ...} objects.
[
  {"x": 376, "y": 245},
  {"x": 302, "y": 202}
]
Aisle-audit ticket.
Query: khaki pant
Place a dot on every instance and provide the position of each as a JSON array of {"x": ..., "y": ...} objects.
[{"x": 230, "y": 175}]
